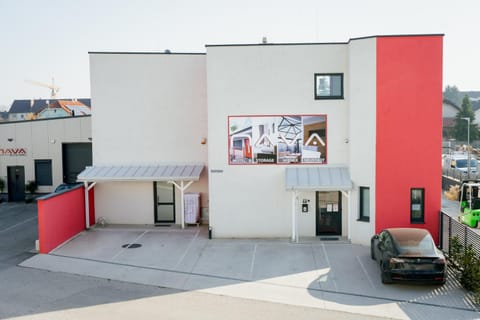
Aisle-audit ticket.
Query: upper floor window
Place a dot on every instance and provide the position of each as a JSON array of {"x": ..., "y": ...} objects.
[{"x": 328, "y": 86}]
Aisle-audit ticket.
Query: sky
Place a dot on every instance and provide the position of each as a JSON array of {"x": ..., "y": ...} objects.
[{"x": 41, "y": 40}]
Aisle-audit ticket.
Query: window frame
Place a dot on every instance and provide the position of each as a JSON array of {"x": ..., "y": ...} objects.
[
  {"x": 329, "y": 97},
  {"x": 421, "y": 219},
  {"x": 362, "y": 216},
  {"x": 50, "y": 178}
]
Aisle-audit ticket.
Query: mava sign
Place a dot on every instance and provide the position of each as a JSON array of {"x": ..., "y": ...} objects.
[{"x": 13, "y": 152}]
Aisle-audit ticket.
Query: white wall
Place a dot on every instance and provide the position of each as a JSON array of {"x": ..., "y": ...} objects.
[
  {"x": 362, "y": 118},
  {"x": 251, "y": 201},
  {"x": 130, "y": 202},
  {"x": 148, "y": 108},
  {"x": 42, "y": 139}
]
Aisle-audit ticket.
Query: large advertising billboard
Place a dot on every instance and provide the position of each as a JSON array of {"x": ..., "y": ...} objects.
[{"x": 282, "y": 139}]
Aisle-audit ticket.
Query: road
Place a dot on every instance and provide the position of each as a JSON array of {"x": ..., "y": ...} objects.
[{"x": 36, "y": 294}]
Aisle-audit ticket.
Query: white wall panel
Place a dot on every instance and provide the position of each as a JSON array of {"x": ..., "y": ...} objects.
[{"x": 362, "y": 120}]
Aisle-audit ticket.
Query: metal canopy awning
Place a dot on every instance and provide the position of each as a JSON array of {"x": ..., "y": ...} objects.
[
  {"x": 162, "y": 172},
  {"x": 318, "y": 178}
]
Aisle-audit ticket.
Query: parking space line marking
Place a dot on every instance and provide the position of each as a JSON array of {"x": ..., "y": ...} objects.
[
  {"x": 366, "y": 273},
  {"x": 188, "y": 248},
  {"x": 123, "y": 249},
  {"x": 18, "y": 224},
  {"x": 253, "y": 261},
  {"x": 329, "y": 266}
]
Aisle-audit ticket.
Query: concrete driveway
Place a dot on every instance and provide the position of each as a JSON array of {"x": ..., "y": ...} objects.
[{"x": 329, "y": 275}]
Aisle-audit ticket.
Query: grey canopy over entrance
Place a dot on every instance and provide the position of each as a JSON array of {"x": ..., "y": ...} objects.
[
  {"x": 316, "y": 178},
  {"x": 181, "y": 175}
]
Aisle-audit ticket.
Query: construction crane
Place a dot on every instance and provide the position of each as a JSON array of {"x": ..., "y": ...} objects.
[{"x": 52, "y": 87}]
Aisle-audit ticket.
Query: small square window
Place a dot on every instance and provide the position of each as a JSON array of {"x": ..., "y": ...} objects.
[
  {"x": 417, "y": 206},
  {"x": 328, "y": 86},
  {"x": 364, "y": 204}
]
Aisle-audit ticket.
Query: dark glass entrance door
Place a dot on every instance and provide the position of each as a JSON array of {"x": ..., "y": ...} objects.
[
  {"x": 16, "y": 183},
  {"x": 329, "y": 213},
  {"x": 164, "y": 194}
]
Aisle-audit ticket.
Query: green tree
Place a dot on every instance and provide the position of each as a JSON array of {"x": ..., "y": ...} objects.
[
  {"x": 452, "y": 94},
  {"x": 461, "y": 130}
]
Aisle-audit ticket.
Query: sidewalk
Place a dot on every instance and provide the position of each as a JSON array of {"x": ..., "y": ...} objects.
[{"x": 323, "y": 275}]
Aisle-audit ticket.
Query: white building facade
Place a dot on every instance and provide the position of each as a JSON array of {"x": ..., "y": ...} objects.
[{"x": 293, "y": 137}]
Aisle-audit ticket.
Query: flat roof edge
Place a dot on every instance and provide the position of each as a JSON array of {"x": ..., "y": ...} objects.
[
  {"x": 323, "y": 43},
  {"x": 150, "y": 53}
]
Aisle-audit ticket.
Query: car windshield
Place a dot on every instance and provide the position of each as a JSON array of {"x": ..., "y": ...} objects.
[
  {"x": 463, "y": 163},
  {"x": 416, "y": 245}
]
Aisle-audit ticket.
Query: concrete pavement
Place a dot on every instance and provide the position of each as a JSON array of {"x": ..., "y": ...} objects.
[{"x": 335, "y": 276}]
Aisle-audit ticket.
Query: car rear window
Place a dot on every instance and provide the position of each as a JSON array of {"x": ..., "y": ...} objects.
[{"x": 416, "y": 246}]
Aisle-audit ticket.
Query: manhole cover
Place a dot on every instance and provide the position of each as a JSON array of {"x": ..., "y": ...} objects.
[{"x": 132, "y": 245}]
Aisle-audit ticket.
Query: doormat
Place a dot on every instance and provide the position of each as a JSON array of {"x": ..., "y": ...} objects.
[{"x": 329, "y": 238}]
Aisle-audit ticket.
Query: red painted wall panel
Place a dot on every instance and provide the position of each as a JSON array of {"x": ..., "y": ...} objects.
[
  {"x": 60, "y": 217},
  {"x": 409, "y": 129}
]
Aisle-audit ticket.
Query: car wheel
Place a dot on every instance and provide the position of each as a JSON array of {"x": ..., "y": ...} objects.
[{"x": 385, "y": 278}]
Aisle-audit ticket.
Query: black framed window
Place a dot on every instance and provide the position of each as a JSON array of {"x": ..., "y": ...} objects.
[
  {"x": 328, "y": 86},
  {"x": 43, "y": 172},
  {"x": 364, "y": 204},
  {"x": 417, "y": 205}
]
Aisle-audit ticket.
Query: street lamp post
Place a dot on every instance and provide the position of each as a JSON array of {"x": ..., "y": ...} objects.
[{"x": 468, "y": 145}]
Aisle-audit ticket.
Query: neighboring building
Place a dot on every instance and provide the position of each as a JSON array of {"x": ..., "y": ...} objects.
[
  {"x": 21, "y": 110},
  {"x": 303, "y": 139},
  {"x": 50, "y": 151},
  {"x": 64, "y": 108},
  {"x": 449, "y": 113}
]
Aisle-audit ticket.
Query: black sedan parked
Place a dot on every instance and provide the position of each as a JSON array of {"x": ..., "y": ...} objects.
[{"x": 408, "y": 254}]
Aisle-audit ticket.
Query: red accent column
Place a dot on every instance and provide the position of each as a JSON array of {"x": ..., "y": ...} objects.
[{"x": 409, "y": 129}]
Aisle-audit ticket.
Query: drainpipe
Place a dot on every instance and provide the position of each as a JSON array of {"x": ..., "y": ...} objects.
[
  {"x": 349, "y": 216},
  {"x": 294, "y": 217}
]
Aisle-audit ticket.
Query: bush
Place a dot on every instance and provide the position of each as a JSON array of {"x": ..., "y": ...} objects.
[
  {"x": 467, "y": 262},
  {"x": 31, "y": 186}
]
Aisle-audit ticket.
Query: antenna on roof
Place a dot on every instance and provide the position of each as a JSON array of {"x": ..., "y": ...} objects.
[{"x": 264, "y": 40}]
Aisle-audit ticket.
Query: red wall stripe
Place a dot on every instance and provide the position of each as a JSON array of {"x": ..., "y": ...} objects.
[{"x": 409, "y": 129}]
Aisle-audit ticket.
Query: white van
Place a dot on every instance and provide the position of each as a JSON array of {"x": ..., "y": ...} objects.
[{"x": 460, "y": 162}]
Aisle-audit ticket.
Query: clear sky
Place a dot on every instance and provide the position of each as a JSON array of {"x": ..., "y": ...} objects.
[{"x": 41, "y": 39}]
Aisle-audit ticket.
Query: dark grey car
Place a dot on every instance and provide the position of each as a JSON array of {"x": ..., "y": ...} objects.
[{"x": 408, "y": 254}]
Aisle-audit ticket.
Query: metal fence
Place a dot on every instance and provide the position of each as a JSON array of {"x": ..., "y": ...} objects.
[
  {"x": 458, "y": 175},
  {"x": 450, "y": 228}
]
